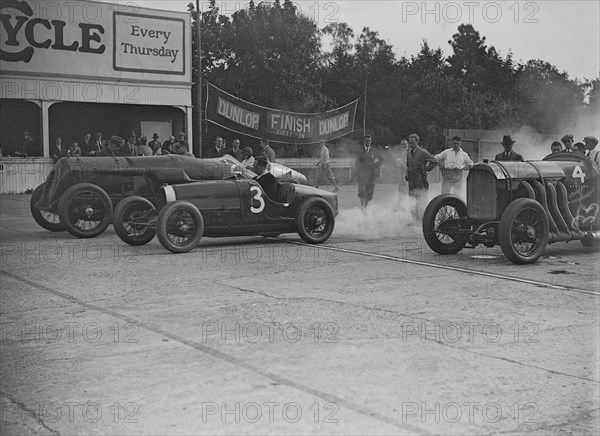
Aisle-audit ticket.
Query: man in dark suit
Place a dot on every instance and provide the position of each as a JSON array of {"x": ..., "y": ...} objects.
[
  {"x": 235, "y": 150},
  {"x": 128, "y": 148},
  {"x": 418, "y": 163},
  {"x": 368, "y": 161},
  {"x": 508, "y": 154},
  {"x": 96, "y": 147},
  {"x": 218, "y": 150},
  {"x": 86, "y": 144},
  {"x": 266, "y": 180}
]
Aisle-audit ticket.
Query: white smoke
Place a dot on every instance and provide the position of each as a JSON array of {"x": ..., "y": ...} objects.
[{"x": 386, "y": 217}]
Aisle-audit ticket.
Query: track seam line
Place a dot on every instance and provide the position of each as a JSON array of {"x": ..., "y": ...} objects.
[
  {"x": 27, "y": 411},
  {"x": 230, "y": 359},
  {"x": 446, "y": 267},
  {"x": 417, "y": 318}
]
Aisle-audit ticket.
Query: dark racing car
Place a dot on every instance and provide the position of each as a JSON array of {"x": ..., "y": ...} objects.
[
  {"x": 80, "y": 194},
  {"x": 521, "y": 206},
  {"x": 184, "y": 213}
]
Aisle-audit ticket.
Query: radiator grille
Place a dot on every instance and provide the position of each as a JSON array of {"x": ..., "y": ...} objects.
[{"x": 481, "y": 195}]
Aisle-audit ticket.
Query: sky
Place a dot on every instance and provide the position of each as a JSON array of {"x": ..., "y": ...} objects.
[{"x": 564, "y": 33}]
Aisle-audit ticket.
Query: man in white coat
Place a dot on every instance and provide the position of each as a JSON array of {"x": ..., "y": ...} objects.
[{"x": 453, "y": 162}]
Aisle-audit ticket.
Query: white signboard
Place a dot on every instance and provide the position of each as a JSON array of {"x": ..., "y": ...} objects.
[{"x": 94, "y": 40}]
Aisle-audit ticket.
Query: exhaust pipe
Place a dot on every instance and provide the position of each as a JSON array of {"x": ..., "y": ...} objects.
[
  {"x": 563, "y": 204},
  {"x": 564, "y": 232},
  {"x": 540, "y": 194}
]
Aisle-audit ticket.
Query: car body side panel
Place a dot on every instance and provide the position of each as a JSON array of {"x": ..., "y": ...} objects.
[{"x": 239, "y": 207}]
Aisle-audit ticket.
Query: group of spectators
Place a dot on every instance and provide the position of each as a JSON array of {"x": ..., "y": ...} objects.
[
  {"x": 452, "y": 162},
  {"x": 243, "y": 154},
  {"x": 587, "y": 147},
  {"x": 133, "y": 145}
]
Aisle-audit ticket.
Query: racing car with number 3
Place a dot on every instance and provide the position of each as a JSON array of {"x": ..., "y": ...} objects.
[
  {"x": 521, "y": 206},
  {"x": 184, "y": 213}
]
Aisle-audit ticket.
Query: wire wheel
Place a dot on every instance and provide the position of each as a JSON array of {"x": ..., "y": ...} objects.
[
  {"x": 85, "y": 210},
  {"x": 524, "y": 231},
  {"x": 134, "y": 220},
  {"x": 180, "y": 226},
  {"x": 441, "y": 224},
  {"x": 315, "y": 221},
  {"x": 47, "y": 220}
]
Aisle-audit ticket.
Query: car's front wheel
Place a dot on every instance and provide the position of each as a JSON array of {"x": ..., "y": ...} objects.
[
  {"x": 315, "y": 221},
  {"x": 134, "y": 220},
  {"x": 180, "y": 226},
  {"x": 524, "y": 231},
  {"x": 47, "y": 220},
  {"x": 85, "y": 210},
  {"x": 441, "y": 224}
]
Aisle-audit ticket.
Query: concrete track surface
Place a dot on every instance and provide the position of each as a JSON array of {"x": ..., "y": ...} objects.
[{"x": 370, "y": 333}]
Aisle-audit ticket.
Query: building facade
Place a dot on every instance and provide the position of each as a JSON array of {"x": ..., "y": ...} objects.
[{"x": 70, "y": 68}]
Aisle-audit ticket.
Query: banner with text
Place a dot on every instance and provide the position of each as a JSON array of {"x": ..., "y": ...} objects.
[
  {"x": 88, "y": 39},
  {"x": 246, "y": 118}
]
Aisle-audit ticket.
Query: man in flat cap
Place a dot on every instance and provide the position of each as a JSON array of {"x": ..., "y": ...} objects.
[
  {"x": 590, "y": 143},
  {"x": 568, "y": 141},
  {"x": 508, "y": 154}
]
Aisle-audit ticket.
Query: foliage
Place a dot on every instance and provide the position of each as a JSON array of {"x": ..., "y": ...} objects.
[{"x": 271, "y": 54}]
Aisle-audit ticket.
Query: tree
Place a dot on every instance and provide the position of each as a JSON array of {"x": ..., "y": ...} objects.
[
  {"x": 266, "y": 53},
  {"x": 546, "y": 98},
  {"x": 479, "y": 66}
]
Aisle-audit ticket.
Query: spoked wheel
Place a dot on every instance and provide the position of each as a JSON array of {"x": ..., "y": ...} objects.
[
  {"x": 523, "y": 231},
  {"x": 315, "y": 221},
  {"x": 134, "y": 220},
  {"x": 85, "y": 210},
  {"x": 180, "y": 226},
  {"x": 47, "y": 220},
  {"x": 441, "y": 224}
]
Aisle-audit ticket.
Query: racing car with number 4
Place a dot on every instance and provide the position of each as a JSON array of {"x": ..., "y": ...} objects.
[{"x": 521, "y": 206}]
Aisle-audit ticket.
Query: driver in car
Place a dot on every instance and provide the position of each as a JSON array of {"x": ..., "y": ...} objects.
[{"x": 266, "y": 180}]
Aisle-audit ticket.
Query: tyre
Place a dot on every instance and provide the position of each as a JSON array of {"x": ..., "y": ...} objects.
[
  {"x": 441, "y": 224},
  {"x": 85, "y": 210},
  {"x": 589, "y": 241},
  {"x": 47, "y": 220},
  {"x": 524, "y": 231},
  {"x": 315, "y": 221},
  {"x": 180, "y": 226},
  {"x": 134, "y": 220}
]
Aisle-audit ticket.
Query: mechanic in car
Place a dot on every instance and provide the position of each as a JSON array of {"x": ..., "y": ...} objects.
[{"x": 266, "y": 180}]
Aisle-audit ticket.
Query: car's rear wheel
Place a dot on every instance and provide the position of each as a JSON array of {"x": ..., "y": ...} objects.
[
  {"x": 524, "y": 231},
  {"x": 47, "y": 220},
  {"x": 180, "y": 226},
  {"x": 134, "y": 220},
  {"x": 441, "y": 224},
  {"x": 315, "y": 221},
  {"x": 85, "y": 210}
]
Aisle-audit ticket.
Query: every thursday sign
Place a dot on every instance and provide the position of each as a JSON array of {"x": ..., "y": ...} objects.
[{"x": 94, "y": 39}]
